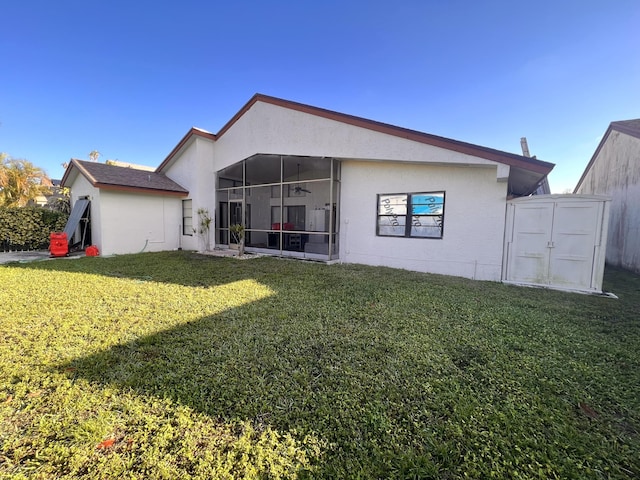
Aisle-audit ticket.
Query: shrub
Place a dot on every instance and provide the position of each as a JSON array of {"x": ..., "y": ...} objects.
[{"x": 28, "y": 228}]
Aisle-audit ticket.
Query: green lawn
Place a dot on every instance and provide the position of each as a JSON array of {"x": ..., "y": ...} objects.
[{"x": 176, "y": 365}]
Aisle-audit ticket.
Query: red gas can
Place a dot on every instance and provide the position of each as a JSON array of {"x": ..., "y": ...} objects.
[
  {"x": 58, "y": 244},
  {"x": 91, "y": 251}
]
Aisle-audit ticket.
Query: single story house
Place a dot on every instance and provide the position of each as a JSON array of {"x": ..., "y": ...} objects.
[
  {"x": 313, "y": 183},
  {"x": 614, "y": 170}
]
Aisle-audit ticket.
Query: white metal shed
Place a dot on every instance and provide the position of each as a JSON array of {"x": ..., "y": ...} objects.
[{"x": 556, "y": 241}]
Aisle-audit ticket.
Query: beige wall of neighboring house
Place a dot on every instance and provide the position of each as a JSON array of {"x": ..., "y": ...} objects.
[{"x": 614, "y": 170}]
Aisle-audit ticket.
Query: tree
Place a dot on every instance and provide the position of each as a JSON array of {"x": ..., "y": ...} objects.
[
  {"x": 62, "y": 201},
  {"x": 237, "y": 234},
  {"x": 94, "y": 155},
  {"x": 21, "y": 181},
  {"x": 205, "y": 225}
]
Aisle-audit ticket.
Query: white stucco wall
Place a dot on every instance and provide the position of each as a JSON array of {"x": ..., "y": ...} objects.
[
  {"x": 616, "y": 172},
  {"x": 473, "y": 223},
  {"x": 81, "y": 187},
  {"x": 193, "y": 169},
  {"x": 268, "y": 128},
  {"x": 372, "y": 163},
  {"x": 132, "y": 223}
]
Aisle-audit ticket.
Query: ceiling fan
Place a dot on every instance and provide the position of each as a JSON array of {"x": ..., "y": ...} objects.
[{"x": 298, "y": 188}]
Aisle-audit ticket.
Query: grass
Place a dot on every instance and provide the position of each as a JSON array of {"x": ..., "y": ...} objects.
[{"x": 176, "y": 365}]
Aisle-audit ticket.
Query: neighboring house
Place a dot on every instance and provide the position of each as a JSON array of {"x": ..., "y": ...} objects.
[
  {"x": 55, "y": 192},
  {"x": 123, "y": 210},
  {"x": 312, "y": 183},
  {"x": 614, "y": 170},
  {"x": 118, "y": 163}
]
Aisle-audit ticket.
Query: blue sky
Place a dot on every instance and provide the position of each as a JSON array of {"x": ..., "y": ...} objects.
[{"x": 130, "y": 78}]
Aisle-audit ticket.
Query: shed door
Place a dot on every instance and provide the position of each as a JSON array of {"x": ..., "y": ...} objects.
[
  {"x": 529, "y": 251},
  {"x": 553, "y": 243},
  {"x": 572, "y": 244}
]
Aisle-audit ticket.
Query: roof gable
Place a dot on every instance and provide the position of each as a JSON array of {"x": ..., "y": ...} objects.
[
  {"x": 111, "y": 177},
  {"x": 629, "y": 127},
  {"x": 526, "y": 163}
]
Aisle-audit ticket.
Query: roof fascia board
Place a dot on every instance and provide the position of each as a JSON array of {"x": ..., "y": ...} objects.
[
  {"x": 537, "y": 166},
  {"x": 185, "y": 140},
  {"x": 85, "y": 172},
  {"x": 622, "y": 128},
  {"x": 498, "y": 156},
  {"x": 593, "y": 157},
  {"x": 153, "y": 191},
  {"x": 618, "y": 127},
  {"x": 75, "y": 163},
  {"x": 107, "y": 186},
  {"x": 67, "y": 175}
]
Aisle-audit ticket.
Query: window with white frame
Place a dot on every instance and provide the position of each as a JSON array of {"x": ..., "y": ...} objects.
[
  {"x": 187, "y": 217},
  {"x": 417, "y": 215}
]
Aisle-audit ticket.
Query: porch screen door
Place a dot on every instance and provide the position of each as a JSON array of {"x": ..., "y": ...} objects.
[{"x": 235, "y": 217}]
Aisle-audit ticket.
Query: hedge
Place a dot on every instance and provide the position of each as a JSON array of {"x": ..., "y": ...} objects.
[{"x": 28, "y": 228}]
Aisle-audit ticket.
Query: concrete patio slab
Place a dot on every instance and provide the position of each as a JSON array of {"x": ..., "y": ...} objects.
[{"x": 30, "y": 256}]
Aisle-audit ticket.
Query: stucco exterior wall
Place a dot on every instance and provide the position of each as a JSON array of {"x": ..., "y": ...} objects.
[
  {"x": 616, "y": 172},
  {"x": 193, "y": 169},
  {"x": 267, "y": 128},
  {"x": 133, "y": 223},
  {"x": 473, "y": 222},
  {"x": 82, "y": 188}
]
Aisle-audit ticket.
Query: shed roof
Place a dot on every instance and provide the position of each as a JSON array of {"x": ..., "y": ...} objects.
[
  {"x": 629, "y": 127},
  {"x": 112, "y": 177}
]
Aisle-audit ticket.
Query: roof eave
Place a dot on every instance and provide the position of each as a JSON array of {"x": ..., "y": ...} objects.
[
  {"x": 67, "y": 173},
  {"x": 193, "y": 131},
  {"x": 623, "y": 127},
  {"x": 618, "y": 126},
  {"x": 127, "y": 188},
  {"x": 487, "y": 153},
  {"x": 593, "y": 158}
]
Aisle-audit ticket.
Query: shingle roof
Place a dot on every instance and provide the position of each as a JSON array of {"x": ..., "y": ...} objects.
[{"x": 112, "y": 177}]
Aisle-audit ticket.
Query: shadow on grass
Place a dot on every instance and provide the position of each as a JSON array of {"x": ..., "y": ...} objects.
[
  {"x": 389, "y": 389},
  {"x": 293, "y": 374},
  {"x": 185, "y": 268},
  {"x": 295, "y": 360}
]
